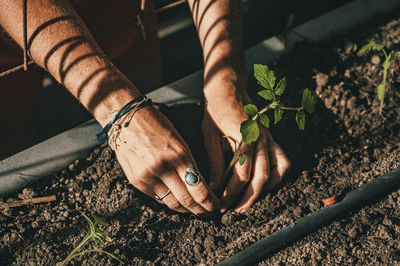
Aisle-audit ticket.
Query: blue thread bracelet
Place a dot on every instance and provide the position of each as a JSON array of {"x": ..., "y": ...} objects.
[{"x": 103, "y": 136}]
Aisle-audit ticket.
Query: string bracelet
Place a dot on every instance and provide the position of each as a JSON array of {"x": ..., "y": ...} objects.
[
  {"x": 123, "y": 122},
  {"x": 124, "y": 115}
]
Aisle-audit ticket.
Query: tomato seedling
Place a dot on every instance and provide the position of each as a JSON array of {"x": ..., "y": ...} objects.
[
  {"x": 95, "y": 235},
  {"x": 271, "y": 92},
  {"x": 389, "y": 57}
]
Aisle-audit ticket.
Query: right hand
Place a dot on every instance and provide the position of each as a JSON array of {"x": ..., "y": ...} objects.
[{"x": 155, "y": 157}]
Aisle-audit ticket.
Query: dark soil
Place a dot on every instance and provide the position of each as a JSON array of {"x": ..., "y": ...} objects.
[{"x": 345, "y": 145}]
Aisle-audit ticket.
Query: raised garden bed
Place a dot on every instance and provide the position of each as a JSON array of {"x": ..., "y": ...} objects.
[{"x": 345, "y": 144}]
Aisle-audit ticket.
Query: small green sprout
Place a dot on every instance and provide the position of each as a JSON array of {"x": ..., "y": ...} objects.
[
  {"x": 38, "y": 262},
  {"x": 96, "y": 235},
  {"x": 272, "y": 92},
  {"x": 389, "y": 57}
]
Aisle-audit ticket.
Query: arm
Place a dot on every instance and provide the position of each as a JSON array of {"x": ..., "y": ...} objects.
[
  {"x": 59, "y": 41},
  {"x": 150, "y": 150},
  {"x": 219, "y": 28}
]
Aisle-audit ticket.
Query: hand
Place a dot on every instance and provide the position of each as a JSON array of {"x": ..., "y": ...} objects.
[
  {"x": 265, "y": 165},
  {"x": 154, "y": 158}
]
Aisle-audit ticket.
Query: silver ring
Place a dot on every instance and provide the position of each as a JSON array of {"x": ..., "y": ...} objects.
[
  {"x": 192, "y": 177},
  {"x": 160, "y": 198}
]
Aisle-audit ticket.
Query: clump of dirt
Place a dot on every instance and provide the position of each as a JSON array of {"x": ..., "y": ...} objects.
[{"x": 345, "y": 145}]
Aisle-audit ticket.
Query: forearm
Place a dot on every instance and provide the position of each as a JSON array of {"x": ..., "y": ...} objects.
[
  {"x": 219, "y": 25},
  {"x": 59, "y": 41}
]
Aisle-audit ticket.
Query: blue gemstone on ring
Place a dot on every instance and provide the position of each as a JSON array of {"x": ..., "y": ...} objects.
[{"x": 191, "y": 177}]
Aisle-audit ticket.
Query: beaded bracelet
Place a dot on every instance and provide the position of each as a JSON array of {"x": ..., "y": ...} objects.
[{"x": 125, "y": 110}]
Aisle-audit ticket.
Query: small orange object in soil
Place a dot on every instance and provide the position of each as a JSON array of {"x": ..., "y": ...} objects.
[{"x": 330, "y": 201}]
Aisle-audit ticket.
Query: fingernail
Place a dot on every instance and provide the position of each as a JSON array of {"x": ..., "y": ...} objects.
[{"x": 241, "y": 211}]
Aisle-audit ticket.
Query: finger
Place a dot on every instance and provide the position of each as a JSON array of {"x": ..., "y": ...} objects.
[
  {"x": 174, "y": 182},
  {"x": 168, "y": 176},
  {"x": 239, "y": 179},
  {"x": 198, "y": 199},
  {"x": 280, "y": 164},
  {"x": 159, "y": 188},
  {"x": 201, "y": 193},
  {"x": 216, "y": 162},
  {"x": 261, "y": 173}
]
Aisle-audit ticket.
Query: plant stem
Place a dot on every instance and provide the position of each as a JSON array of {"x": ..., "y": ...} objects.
[
  {"x": 384, "y": 87},
  {"x": 386, "y": 56},
  {"x": 233, "y": 161},
  {"x": 292, "y": 108},
  {"x": 83, "y": 253},
  {"x": 111, "y": 255},
  {"x": 99, "y": 251},
  {"x": 71, "y": 255},
  {"x": 266, "y": 108},
  {"x": 237, "y": 150},
  {"x": 236, "y": 153},
  {"x": 38, "y": 260}
]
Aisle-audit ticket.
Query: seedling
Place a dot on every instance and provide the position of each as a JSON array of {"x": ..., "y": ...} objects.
[
  {"x": 94, "y": 235},
  {"x": 389, "y": 57},
  {"x": 38, "y": 262},
  {"x": 272, "y": 93}
]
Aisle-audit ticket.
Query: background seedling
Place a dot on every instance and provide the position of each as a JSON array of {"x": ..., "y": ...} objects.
[
  {"x": 389, "y": 57},
  {"x": 272, "y": 93},
  {"x": 38, "y": 262},
  {"x": 96, "y": 236}
]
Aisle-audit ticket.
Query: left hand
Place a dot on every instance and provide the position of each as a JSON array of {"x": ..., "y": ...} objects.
[{"x": 266, "y": 163}]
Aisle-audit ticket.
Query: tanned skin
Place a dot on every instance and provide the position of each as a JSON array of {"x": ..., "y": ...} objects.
[{"x": 150, "y": 150}]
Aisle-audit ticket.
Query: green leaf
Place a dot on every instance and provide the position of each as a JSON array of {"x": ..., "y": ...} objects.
[
  {"x": 260, "y": 73},
  {"x": 99, "y": 220},
  {"x": 301, "y": 119},
  {"x": 251, "y": 109},
  {"x": 278, "y": 112},
  {"x": 267, "y": 94},
  {"x": 264, "y": 119},
  {"x": 271, "y": 79},
  {"x": 367, "y": 47},
  {"x": 388, "y": 60},
  {"x": 250, "y": 131},
  {"x": 391, "y": 56},
  {"x": 280, "y": 87},
  {"x": 309, "y": 100},
  {"x": 379, "y": 47},
  {"x": 386, "y": 64},
  {"x": 264, "y": 76},
  {"x": 87, "y": 219},
  {"x": 381, "y": 91},
  {"x": 99, "y": 240},
  {"x": 242, "y": 159}
]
